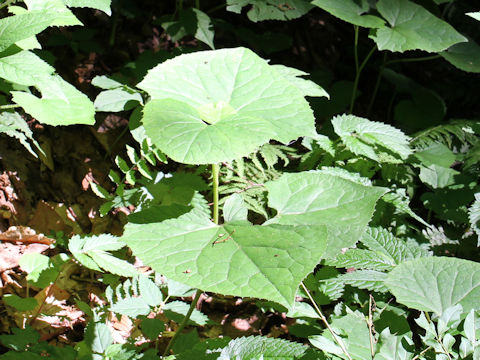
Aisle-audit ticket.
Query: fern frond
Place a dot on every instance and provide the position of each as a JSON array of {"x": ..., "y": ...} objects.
[
  {"x": 246, "y": 176},
  {"x": 464, "y": 131}
]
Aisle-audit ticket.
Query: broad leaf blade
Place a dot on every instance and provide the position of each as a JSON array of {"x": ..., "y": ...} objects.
[
  {"x": 235, "y": 259},
  {"x": 412, "y": 27},
  {"x": 436, "y": 283},
  {"x": 375, "y": 140},
  {"x": 117, "y": 100},
  {"x": 204, "y": 31},
  {"x": 103, "y": 5},
  {"x": 179, "y": 131},
  {"x": 132, "y": 307},
  {"x": 17, "y": 68},
  {"x": 315, "y": 198},
  {"x": 231, "y": 82},
  {"x": 61, "y": 103},
  {"x": 260, "y": 347},
  {"x": 64, "y": 17},
  {"x": 351, "y": 11},
  {"x": 465, "y": 56},
  {"x": 270, "y": 10},
  {"x": 23, "y": 26}
]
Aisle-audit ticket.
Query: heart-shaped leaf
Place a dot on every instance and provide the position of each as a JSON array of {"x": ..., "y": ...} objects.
[
  {"x": 231, "y": 85},
  {"x": 185, "y": 135},
  {"x": 234, "y": 259},
  {"x": 436, "y": 283},
  {"x": 465, "y": 56},
  {"x": 412, "y": 27},
  {"x": 316, "y": 198}
]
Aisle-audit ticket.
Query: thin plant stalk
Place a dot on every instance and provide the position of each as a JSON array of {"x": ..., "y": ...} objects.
[
  {"x": 377, "y": 84},
  {"x": 215, "y": 175},
  {"x": 216, "y": 8},
  {"x": 385, "y": 64},
  {"x": 370, "y": 327},
  {"x": 424, "y": 58},
  {"x": 357, "y": 75},
  {"x": 183, "y": 323},
  {"x": 6, "y": 3},
  {"x": 338, "y": 340},
  {"x": 197, "y": 4},
  {"x": 9, "y": 106}
]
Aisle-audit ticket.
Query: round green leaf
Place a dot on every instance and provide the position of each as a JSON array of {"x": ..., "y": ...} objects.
[
  {"x": 436, "y": 283},
  {"x": 316, "y": 198},
  {"x": 186, "y": 136},
  {"x": 232, "y": 85},
  {"x": 233, "y": 259},
  {"x": 465, "y": 56},
  {"x": 412, "y": 27}
]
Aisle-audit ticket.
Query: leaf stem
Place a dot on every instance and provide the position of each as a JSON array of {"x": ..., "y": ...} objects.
[
  {"x": 6, "y": 3},
  {"x": 424, "y": 58},
  {"x": 370, "y": 326},
  {"x": 357, "y": 77},
  {"x": 215, "y": 175},
  {"x": 324, "y": 320},
  {"x": 216, "y": 8},
  {"x": 377, "y": 84},
  {"x": 9, "y": 106},
  {"x": 197, "y": 4},
  {"x": 183, "y": 323}
]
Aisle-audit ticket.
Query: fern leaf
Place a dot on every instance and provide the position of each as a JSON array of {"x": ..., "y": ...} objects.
[
  {"x": 474, "y": 216},
  {"x": 465, "y": 131}
]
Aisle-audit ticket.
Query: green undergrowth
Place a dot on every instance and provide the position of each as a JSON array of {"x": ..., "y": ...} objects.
[{"x": 249, "y": 179}]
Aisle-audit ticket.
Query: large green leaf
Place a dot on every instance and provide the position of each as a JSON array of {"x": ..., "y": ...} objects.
[
  {"x": 61, "y": 103},
  {"x": 64, "y": 17},
  {"x": 180, "y": 132},
  {"x": 19, "y": 27},
  {"x": 375, "y": 140},
  {"x": 436, "y": 283},
  {"x": 351, "y": 11},
  {"x": 234, "y": 259},
  {"x": 475, "y": 15},
  {"x": 412, "y": 27},
  {"x": 234, "y": 84},
  {"x": 315, "y": 198},
  {"x": 270, "y": 9},
  {"x": 17, "y": 68},
  {"x": 103, "y": 5},
  {"x": 465, "y": 56}
]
